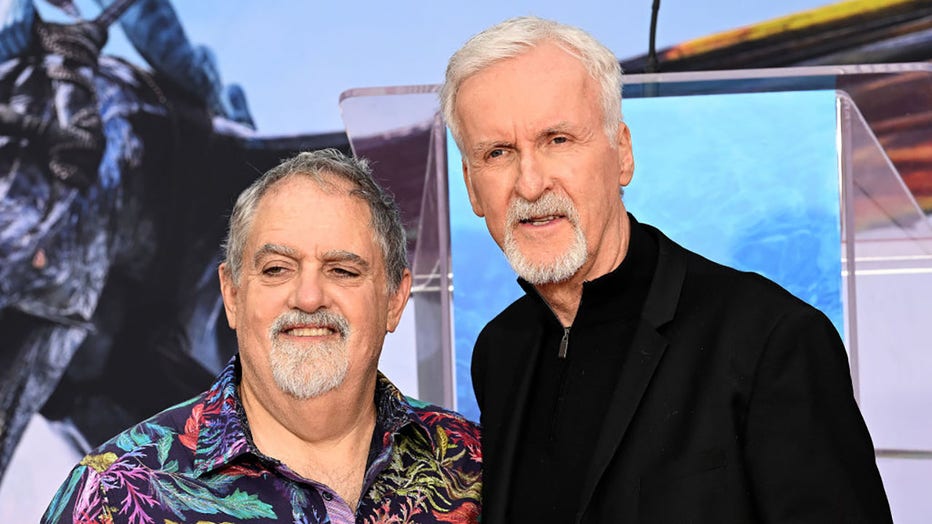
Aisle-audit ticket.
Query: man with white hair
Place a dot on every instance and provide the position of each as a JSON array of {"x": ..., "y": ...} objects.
[
  {"x": 635, "y": 381},
  {"x": 300, "y": 426}
]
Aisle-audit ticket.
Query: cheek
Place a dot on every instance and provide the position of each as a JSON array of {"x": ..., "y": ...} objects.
[
  {"x": 596, "y": 211},
  {"x": 367, "y": 311},
  {"x": 495, "y": 188},
  {"x": 259, "y": 323},
  {"x": 256, "y": 318},
  {"x": 496, "y": 205},
  {"x": 496, "y": 226}
]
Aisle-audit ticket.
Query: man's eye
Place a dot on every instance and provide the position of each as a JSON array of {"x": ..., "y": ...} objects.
[
  {"x": 559, "y": 140},
  {"x": 273, "y": 271},
  {"x": 344, "y": 272},
  {"x": 498, "y": 152}
]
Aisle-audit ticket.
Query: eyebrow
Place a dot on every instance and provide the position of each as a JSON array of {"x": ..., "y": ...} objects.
[
  {"x": 559, "y": 127},
  {"x": 273, "y": 249},
  {"x": 334, "y": 255},
  {"x": 484, "y": 146},
  {"x": 555, "y": 129},
  {"x": 339, "y": 255}
]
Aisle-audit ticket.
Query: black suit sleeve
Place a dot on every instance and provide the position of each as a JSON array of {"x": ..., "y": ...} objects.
[{"x": 809, "y": 455}]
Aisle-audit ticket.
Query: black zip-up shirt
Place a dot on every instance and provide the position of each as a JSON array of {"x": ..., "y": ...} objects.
[{"x": 569, "y": 393}]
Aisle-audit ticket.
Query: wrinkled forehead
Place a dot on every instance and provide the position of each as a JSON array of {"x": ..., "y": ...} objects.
[
  {"x": 328, "y": 200},
  {"x": 310, "y": 195},
  {"x": 545, "y": 88}
]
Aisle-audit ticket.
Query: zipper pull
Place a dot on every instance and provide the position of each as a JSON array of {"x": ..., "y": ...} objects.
[{"x": 564, "y": 343}]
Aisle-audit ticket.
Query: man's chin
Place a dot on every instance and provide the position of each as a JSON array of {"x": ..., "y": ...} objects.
[
  {"x": 306, "y": 371},
  {"x": 308, "y": 395},
  {"x": 543, "y": 272},
  {"x": 309, "y": 387},
  {"x": 538, "y": 254},
  {"x": 550, "y": 263}
]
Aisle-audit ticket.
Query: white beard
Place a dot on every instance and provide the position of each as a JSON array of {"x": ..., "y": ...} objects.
[
  {"x": 560, "y": 268},
  {"x": 309, "y": 370}
]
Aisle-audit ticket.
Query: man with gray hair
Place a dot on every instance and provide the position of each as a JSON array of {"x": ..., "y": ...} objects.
[
  {"x": 300, "y": 426},
  {"x": 635, "y": 381}
]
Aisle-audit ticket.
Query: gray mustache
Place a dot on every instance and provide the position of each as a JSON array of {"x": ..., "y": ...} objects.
[
  {"x": 321, "y": 317},
  {"x": 548, "y": 204}
]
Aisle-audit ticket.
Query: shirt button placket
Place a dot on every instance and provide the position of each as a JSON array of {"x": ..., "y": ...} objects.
[{"x": 337, "y": 509}]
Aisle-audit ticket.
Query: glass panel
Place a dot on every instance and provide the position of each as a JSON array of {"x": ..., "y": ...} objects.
[
  {"x": 890, "y": 239},
  {"x": 884, "y": 116}
]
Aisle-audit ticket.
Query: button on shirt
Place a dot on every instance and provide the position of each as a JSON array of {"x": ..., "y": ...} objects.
[{"x": 196, "y": 462}]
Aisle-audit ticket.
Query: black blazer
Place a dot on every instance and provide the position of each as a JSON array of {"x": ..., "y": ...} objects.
[{"x": 735, "y": 405}]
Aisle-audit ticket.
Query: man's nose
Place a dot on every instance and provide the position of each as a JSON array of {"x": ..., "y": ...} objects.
[
  {"x": 533, "y": 177},
  {"x": 309, "y": 293}
]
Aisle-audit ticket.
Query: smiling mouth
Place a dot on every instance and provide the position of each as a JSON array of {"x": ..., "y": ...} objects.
[
  {"x": 310, "y": 331},
  {"x": 540, "y": 221}
]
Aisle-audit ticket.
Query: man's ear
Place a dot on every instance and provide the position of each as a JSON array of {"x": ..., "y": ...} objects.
[
  {"x": 228, "y": 292},
  {"x": 625, "y": 155},
  {"x": 473, "y": 200},
  {"x": 397, "y": 301}
]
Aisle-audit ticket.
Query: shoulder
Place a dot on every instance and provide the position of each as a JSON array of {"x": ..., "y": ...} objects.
[
  {"x": 434, "y": 467},
  {"x": 711, "y": 282},
  {"x": 153, "y": 445},
  {"x": 513, "y": 318},
  {"x": 451, "y": 438},
  {"x": 435, "y": 418},
  {"x": 510, "y": 326},
  {"x": 148, "y": 443},
  {"x": 708, "y": 299},
  {"x": 743, "y": 293}
]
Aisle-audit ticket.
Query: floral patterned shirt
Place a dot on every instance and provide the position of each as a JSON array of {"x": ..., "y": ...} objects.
[{"x": 196, "y": 462}]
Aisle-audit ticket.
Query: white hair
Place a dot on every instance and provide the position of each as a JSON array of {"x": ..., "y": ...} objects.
[{"x": 517, "y": 36}]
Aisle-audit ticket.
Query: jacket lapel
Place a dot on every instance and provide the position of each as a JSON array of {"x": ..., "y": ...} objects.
[{"x": 647, "y": 349}]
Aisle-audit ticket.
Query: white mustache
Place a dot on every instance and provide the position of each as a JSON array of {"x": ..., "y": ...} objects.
[{"x": 549, "y": 204}]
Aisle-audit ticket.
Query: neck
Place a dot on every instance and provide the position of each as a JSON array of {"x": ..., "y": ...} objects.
[
  {"x": 325, "y": 439},
  {"x": 564, "y": 297}
]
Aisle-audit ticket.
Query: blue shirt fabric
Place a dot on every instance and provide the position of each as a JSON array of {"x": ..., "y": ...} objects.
[{"x": 196, "y": 462}]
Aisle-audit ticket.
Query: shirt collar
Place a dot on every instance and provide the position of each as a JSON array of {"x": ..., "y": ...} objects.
[
  {"x": 621, "y": 291},
  {"x": 222, "y": 429}
]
